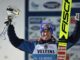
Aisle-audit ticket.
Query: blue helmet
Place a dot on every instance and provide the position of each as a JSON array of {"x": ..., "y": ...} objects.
[{"x": 47, "y": 26}]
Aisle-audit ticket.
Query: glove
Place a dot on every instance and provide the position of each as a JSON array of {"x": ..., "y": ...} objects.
[{"x": 9, "y": 20}]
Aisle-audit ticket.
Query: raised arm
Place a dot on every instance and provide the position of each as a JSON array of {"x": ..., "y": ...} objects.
[
  {"x": 19, "y": 43},
  {"x": 75, "y": 36}
]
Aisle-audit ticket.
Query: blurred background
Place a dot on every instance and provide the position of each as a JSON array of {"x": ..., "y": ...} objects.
[{"x": 7, "y": 51}]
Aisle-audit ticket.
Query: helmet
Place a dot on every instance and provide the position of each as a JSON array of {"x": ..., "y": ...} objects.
[{"x": 47, "y": 26}]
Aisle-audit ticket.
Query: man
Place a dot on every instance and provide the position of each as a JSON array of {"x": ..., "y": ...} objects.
[
  {"x": 46, "y": 37},
  {"x": 46, "y": 45}
]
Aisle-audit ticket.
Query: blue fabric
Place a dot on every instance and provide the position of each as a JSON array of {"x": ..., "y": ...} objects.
[{"x": 27, "y": 46}]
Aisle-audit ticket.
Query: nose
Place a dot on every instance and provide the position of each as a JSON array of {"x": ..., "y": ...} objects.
[{"x": 45, "y": 33}]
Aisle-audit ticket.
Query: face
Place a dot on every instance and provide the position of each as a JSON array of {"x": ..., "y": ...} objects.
[{"x": 46, "y": 35}]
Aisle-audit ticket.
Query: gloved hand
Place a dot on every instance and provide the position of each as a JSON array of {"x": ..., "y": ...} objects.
[{"x": 9, "y": 18}]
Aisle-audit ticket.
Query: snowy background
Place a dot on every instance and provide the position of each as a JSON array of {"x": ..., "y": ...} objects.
[{"x": 7, "y": 51}]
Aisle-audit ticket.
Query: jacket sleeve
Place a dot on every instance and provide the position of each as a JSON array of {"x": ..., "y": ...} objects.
[
  {"x": 75, "y": 36},
  {"x": 19, "y": 43}
]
